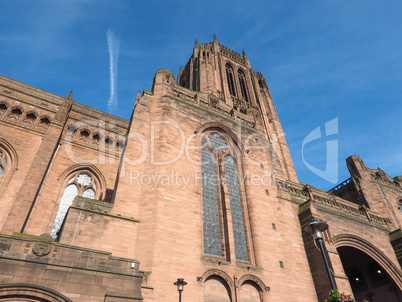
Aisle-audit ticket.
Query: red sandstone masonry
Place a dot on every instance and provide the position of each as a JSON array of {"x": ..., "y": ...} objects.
[{"x": 162, "y": 225}]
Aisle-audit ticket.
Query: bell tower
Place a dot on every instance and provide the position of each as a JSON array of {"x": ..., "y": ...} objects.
[
  {"x": 214, "y": 68},
  {"x": 232, "y": 84}
]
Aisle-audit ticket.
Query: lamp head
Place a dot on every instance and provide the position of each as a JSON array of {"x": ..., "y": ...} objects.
[
  {"x": 180, "y": 284},
  {"x": 316, "y": 227}
]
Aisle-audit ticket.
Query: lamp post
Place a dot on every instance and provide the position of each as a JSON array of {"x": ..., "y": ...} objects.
[
  {"x": 316, "y": 227},
  {"x": 180, "y": 284}
]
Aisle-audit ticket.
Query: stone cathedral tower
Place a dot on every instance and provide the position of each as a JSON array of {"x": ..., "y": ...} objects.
[{"x": 199, "y": 185}]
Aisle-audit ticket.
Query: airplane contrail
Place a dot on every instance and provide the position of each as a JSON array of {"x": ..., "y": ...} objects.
[{"x": 113, "y": 43}]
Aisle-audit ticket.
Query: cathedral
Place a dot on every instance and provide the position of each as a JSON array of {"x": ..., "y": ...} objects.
[{"x": 197, "y": 190}]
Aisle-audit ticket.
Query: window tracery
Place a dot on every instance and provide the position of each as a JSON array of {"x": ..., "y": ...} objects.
[
  {"x": 81, "y": 183},
  {"x": 15, "y": 113},
  {"x": 30, "y": 118},
  {"x": 220, "y": 181}
]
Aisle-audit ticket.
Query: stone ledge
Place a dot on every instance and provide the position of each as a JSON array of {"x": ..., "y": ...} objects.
[
  {"x": 28, "y": 249},
  {"x": 98, "y": 207},
  {"x": 122, "y": 296},
  {"x": 213, "y": 259}
]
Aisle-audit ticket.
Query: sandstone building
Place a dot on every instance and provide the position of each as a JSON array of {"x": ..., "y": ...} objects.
[{"x": 199, "y": 185}]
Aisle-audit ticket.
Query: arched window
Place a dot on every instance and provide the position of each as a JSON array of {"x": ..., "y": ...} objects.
[
  {"x": 229, "y": 75},
  {"x": 30, "y": 118},
  {"x": 8, "y": 162},
  {"x": 4, "y": 161},
  {"x": 400, "y": 205},
  {"x": 243, "y": 86},
  {"x": 15, "y": 113},
  {"x": 3, "y": 108},
  {"x": 81, "y": 183},
  {"x": 220, "y": 181}
]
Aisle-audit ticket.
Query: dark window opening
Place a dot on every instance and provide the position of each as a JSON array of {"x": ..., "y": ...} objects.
[
  {"x": 96, "y": 137},
  {"x": 84, "y": 133},
  {"x": 71, "y": 129},
  {"x": 31, "y": 116},
  {"x": 3, "y": 107},
  {"x": 16, "y": 111},
  {"x": 46, "y": 121},
  {"x": 229, "y": 74},
  {"x": 109, "y": 141},
  {"x": 243, "y": 86}
]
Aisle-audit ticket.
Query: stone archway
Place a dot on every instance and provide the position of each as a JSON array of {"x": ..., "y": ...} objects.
[
  {"x": 372, "y": 275},
  {"x": 29, "y": 293},
  {"x": 217, "y": 286},
  {"x": 216, "y": 290}
]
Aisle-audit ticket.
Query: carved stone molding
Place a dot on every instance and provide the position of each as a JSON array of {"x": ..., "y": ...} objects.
[{"x": 43, "y": 245}]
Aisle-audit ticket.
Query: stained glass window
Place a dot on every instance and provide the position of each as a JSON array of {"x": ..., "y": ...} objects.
[
  {"x": 210, "y": 205},
  {"x": 219, "y": 175},
  {"x": 236, "y": 208},
  {"x": 3, "y": 163}
]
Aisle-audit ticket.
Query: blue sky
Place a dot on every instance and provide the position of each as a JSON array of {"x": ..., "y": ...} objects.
[{"x": 322, "y": 60}]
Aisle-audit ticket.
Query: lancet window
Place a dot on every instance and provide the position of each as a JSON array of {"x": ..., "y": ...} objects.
[
  {"x": 4, "y": 161},
  {"x": 243, "y": 86},
  {"x": 81, "y": 183},
  {"x": 221, "y": 186},
  {"x": 230, "y": 77}
]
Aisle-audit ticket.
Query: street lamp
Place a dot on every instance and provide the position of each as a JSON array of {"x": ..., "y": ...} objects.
[
  {"x": 316, "y": 227},
  {"x": 180, "y": 284}
]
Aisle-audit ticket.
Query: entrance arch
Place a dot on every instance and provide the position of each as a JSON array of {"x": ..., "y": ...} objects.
[
  {"x": 19, "y": 292},
  {"x": 372, "y": 275}
]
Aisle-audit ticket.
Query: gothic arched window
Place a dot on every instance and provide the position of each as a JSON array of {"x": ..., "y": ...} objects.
[
  {"x": 8, "y": 162},
  {"x": 229, "y": 75},
  {"x": 4, "y": 161},
  {"x": 81, "y": 183},
  {"x": 243, "y": 86},
  {"x": 221, "y": 187}
]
